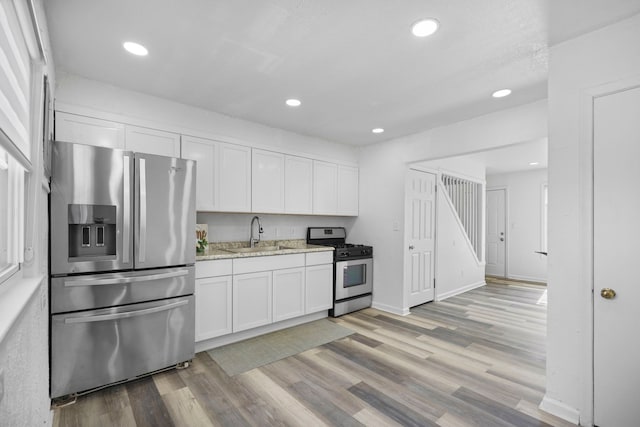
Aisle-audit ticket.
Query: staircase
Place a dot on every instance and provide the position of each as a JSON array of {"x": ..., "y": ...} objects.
[{"x": 466, "y": 199}]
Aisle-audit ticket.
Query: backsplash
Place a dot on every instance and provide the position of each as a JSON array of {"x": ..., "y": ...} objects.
[{"x": 229, "y": 227}]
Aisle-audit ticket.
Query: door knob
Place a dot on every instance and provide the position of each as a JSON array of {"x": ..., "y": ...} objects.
[
  {"x": 410, "y": 247},
  {"x": 502, "y": 239},
  {"x": 607, "y": 293}
]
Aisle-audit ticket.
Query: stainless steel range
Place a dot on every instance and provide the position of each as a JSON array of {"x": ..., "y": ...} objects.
[
  {"x": 122, "y": 265},
  {"x": 353, "y": 269}
]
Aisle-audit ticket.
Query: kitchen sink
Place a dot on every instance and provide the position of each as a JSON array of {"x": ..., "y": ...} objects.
[{"x": 257, "y": 249}]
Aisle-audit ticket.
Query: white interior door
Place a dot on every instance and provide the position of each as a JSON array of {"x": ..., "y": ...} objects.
[
  {"x": 615, "y": 242},
  {"x": 420, "y": 226},
  {"x": 496, "y": 233}
]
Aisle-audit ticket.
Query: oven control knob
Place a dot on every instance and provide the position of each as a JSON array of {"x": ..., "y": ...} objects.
[{"x": 365, "y": 252}]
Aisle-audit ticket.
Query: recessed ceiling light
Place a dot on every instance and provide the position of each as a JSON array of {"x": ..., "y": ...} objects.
[
  {"x": 135, "y": 48},
  {"x": 501, "y": 93},
  {"x": 293, "y": 102},
  {"x": 425, "y": 27},
  {"x": 534, "y": 163},
  {"x": 377, "y": 130}
]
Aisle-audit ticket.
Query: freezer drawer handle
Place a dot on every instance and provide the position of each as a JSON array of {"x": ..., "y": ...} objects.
[
  {"x": 124, "y": 280},
  {"x": 117, "y": 316}
]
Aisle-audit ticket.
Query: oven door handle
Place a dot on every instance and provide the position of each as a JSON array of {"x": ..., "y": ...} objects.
[
  {"x": 126, "y": 315},
  {"x": 124, "y": 280}
]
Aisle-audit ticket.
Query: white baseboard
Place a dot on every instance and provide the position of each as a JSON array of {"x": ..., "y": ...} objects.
[
  {"x": 527, "y": 278},
  {"x": 243, "y": 335},
  {"x": 560, "y": 410},
  {"x": 440, "y": 297},
  {"x": 391, "y": 309}
]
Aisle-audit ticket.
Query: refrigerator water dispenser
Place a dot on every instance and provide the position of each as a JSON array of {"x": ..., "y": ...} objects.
[{"x": 92, "y": 232}]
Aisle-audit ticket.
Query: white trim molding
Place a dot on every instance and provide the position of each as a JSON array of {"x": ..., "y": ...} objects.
[
  {"x": 391, "y": 309},
  {"x": 560, "y": 410},
  {"x": 441, "y": 297}
]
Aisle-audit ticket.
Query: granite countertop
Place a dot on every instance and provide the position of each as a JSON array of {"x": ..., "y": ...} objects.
[{"x": 226, "y": 250}]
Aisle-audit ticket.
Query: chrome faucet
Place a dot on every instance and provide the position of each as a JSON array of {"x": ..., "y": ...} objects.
[{"x": 252, "y": 240}]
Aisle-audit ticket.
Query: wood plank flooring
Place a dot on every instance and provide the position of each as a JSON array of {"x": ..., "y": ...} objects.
[{"x": 477, "y": 359}]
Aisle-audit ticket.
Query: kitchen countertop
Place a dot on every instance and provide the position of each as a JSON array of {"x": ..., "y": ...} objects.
[{"x": 224, "y": 250}]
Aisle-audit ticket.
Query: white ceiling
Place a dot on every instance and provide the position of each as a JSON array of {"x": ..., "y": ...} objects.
[
  {"x": 354, "y": 64},
  {"x": 511, "y": 158}
]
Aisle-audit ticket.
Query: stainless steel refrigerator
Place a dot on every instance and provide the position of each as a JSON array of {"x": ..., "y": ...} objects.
[{"x": 122, "y": 265}]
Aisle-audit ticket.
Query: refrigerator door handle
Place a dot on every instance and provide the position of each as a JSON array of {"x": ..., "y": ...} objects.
[
  {"x": 125, "y": 315},
  {"x": 142, "y": 250},
  {"x": 123, "y": 280},
  {"x": 126, "y": 211}
]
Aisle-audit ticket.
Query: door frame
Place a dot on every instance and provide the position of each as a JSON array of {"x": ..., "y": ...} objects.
[
  {"x": 506, "y": 227},
  {"x": 585, "y": 233},
  {"x": 405, "y": 251}
]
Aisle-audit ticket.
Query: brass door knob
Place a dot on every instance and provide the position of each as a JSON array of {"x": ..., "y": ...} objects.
[{"x": 607, "y": 293}]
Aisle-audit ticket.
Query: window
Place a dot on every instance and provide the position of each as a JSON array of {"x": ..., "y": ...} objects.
[
  {"x": 11, "y": 214},
  {"x": 16, "y": 108},
  {"x": 545, "y": 214}
]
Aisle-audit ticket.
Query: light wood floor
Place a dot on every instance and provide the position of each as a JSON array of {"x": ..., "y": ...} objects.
[{"x": 477, "y": 359}]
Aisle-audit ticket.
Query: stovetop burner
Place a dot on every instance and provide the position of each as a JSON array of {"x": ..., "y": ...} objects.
[{"x": 336, "y": 236}]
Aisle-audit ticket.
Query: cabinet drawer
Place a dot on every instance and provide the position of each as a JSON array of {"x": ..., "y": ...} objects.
[
  {"x": 265, "y": 263},
  {"x": 212, "y": 268},
  {"x": 317, "y": 258}
]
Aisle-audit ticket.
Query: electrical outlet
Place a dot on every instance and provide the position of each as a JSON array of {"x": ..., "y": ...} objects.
[{"x": 1, "y": 385}]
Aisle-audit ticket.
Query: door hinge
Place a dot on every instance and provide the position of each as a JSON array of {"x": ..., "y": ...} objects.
[{"x": 434, "y": 282}]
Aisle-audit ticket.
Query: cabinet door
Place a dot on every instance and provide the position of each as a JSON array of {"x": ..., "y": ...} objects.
[
  {"x": 205, "y": 153},
  {"x": 319, "y": 288},
  {"x": 213, "y": 307},
  {"x": 235, "y": 178},
  {"x": 298, "y": 185},
  {"x": 152, "y": 141},
  {"x": 347, "y": 190},
  {"x": 252, "y": 300},
  {"x": 288, "y": 293},
  {"x": 87, "y": 130},
  {"x": 325, "y": 188},
  {"x": 267, "y": 181}
]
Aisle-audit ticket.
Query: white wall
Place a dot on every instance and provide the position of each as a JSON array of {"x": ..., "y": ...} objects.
[
  {"x": 82, "y": 96},
  {"x": 231, "y": 227},
  {"x": 575, "y": 67},
  {"x": 382, "y": 178},
  {"x": 24, "y": 307},
  {"x": 524, "y": 222}
]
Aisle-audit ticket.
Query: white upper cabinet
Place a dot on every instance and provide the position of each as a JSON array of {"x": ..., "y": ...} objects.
[
  {"x": 205, "y": 153},
  {"x": 152, "y": 141},
  {"x": 267, "y": 181},
  {"x": 347, "y": 190},
  {"x": 298, "y": 185},
  {"x": 235, "y": 178},
  {"x": 223, "y": 174},
  {"x": 87, "y": 130},
  {"x": 325, "y": 188}
]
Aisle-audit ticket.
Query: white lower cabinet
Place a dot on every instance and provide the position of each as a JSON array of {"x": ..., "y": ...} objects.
[
  {"x": 288, "y": 293},
  {"x": 213, "y": 298},
  {"x": 234, "y": 295},
  {"x": 319, "y": 288},
  {"x": 213, "y": 307},
  {"x": 252, "y": 300}
]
